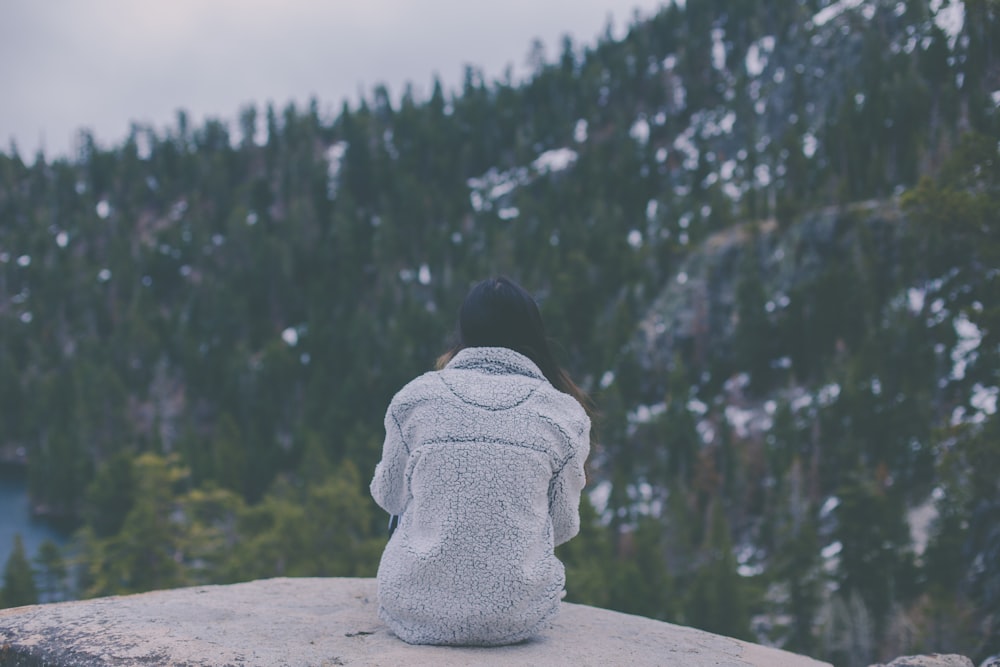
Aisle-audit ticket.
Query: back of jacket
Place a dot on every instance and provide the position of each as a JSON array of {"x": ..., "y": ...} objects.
[{"x": 484, "y": 462}]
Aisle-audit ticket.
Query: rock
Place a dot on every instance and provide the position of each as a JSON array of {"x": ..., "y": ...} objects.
[
  {"x": 321, "y": 622},
  {"x": 932, "y": 660}
]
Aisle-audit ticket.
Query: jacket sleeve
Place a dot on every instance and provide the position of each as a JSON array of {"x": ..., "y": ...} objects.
[
  {"x": 388, "y": 486},
  {"x": 566, "y": 487}
]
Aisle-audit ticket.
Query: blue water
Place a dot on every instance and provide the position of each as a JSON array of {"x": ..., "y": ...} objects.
[{"x": 16, "y": 519}]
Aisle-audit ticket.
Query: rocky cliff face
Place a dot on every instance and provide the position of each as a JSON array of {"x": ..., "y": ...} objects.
[{"x": 696, "y": 313}]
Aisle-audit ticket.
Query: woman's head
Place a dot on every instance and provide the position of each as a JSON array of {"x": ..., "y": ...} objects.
[{"x": 497, "y": 312}]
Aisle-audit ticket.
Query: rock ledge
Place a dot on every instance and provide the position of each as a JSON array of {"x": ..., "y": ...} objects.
[{"x": 321, "y": 622}]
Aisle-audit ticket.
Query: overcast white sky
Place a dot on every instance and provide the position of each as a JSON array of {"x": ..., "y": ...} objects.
[{"x": 101, "y": 64}]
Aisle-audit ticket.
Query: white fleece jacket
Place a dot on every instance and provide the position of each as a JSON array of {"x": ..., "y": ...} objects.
[{"x": 484, "y": 461}]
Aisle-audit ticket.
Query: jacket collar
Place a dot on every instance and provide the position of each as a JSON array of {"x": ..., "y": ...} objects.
[{"x": 495, "y": 361}]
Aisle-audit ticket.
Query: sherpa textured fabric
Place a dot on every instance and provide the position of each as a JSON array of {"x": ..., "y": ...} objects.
[{"x": 484, "y": 461}]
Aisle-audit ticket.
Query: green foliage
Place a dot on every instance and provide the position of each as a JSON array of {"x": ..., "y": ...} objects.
[
  {"x": 230, "y": 465},
  {"x": 144, "y": 554},
  {"x": 962, "y": 558},
  {"x": 875, "y": 560},
  {"x": 796, "y": 570},
  {"x": 717, "y": 600},
  {"x": 323, "y": 528},
  {"x": 111, "y": 496},
  {"x": 753, "y": 337},
  {"x": 960, "y": 228},
  {"x": 18, "y": 578},
  {"x": 627, "y": 572},
  {"x": 586, "y": 558},
  {"x": 52, "y": 573},
  {"x": 848, "y": 631}
]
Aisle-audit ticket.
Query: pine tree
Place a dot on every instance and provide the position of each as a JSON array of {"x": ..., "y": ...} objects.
[
  {"x": 110, "y": 496},
  {"x": 796, "y": 564},
  {"x": 589, "y": 559},
  {"x": 52, "y": 573},
  {"x": 145, "y": 554},
  {"x": 717, "y": 601},
  {"x": 876, "y": 560},
  {"x": 849, "y": 632},
  {"x": 753, "y": 335},
  {"x": 230, "y": 456},
  {"x": 641, "y": 582},
  {"x": 19, "y": 587}
]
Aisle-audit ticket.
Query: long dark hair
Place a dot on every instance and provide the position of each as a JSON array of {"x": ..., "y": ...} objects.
[{"x": 497, "y": 312}]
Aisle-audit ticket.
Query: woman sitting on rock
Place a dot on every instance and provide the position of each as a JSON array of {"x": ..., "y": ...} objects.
[{"x": 483, "y": 463}]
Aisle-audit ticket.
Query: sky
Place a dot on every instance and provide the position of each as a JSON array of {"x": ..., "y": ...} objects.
[{"x": 104, "y": 64}]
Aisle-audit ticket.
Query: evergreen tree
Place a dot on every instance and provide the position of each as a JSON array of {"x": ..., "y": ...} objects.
[
  {"x": 589, "y": 559},
  {"x": 111, "y": 495},
  {"x": 19, "y": 587},
  {"x": 753, "y": 336},
  {"x": 849, "y": 633},
  {"x": 229, "y": 448},
  {"x": 52, "y": 573},
  {"x": 145, "y": 553},
  {"x": 875, "y": 559},
  {"x": 642, "y": 583},
  {"x": 796, "y": 563},
  {"x": 717, "y": 601}
]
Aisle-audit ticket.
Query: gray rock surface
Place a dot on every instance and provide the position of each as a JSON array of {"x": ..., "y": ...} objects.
[
  {"x": 321, "y": 622},
  {"x": 932, "y": 660}
]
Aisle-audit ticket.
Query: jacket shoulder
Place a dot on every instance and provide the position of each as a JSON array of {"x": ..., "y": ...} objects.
[
  {"x": 420, "y": 388},
  {"x": 564, "y": 409}
]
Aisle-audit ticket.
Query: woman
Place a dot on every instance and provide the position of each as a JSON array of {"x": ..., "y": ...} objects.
[{"x": 483, "y": 459}]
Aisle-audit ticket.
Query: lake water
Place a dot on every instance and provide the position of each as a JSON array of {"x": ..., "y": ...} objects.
[{"x": 15, "y": 516}]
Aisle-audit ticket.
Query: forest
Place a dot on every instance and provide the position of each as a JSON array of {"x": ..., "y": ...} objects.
[{"x": 764, "y": 236}]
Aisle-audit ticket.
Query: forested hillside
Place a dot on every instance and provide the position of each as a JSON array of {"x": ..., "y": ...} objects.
[{"x": 763, "y": 234}]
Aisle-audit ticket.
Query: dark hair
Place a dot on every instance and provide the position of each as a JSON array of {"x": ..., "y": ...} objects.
[{"x": 497, "y": 312}]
